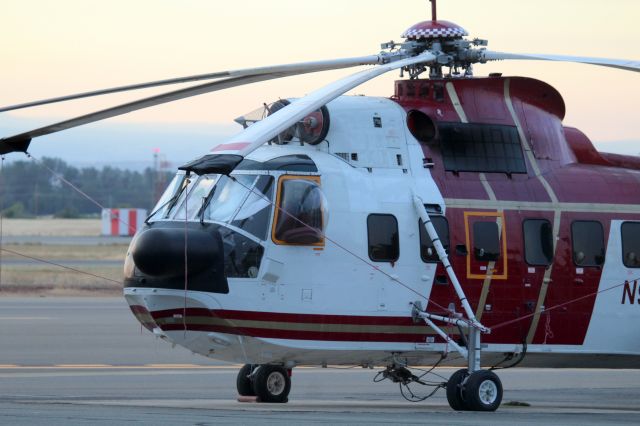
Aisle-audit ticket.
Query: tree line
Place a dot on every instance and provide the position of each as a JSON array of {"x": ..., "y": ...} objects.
[{"x": 28, "y": 189}]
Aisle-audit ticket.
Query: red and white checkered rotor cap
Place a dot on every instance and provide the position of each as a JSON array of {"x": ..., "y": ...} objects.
[{"x": 435, "y": 29}]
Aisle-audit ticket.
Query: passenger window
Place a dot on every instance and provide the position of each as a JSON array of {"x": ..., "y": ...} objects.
[
  {"x": 588, "y": 243},
  {"x": 382, "y": 231},
  {"x": 301, "y": 214},
  {"x": 538, "y": 242},
  {"x": 486, "y": 241},
  {"x": 631, "y": 244},
  {"x": 427, "y": 250}
]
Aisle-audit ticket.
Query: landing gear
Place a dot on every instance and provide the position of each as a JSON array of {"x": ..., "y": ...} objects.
[
  {"x": 482, "y": 391},
  {"x": 471, "y": 388},
  {"x": 243, "y": 382},
  {"x": 270, "y": 383},
  {"x": 478, "y": 391}
]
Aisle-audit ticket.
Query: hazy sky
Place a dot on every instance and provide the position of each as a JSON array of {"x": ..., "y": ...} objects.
[{"x": 50, "y": 48}]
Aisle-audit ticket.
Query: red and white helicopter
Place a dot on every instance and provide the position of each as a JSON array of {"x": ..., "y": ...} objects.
[{"x": 457, "y": 218}]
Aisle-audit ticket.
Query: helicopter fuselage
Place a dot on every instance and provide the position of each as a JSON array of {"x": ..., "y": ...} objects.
[{"x": 533, "y": 218}]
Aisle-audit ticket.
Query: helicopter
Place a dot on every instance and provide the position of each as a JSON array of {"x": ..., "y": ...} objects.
[{"x": 456, "y": 222}]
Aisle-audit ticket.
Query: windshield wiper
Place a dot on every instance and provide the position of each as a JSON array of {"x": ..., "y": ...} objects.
[
  {"x": 171, "y": 201},
  {"x": 205, "y": 202}
]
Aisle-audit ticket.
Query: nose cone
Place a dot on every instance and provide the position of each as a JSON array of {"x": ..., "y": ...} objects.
[{"x": 161, "y": 252}]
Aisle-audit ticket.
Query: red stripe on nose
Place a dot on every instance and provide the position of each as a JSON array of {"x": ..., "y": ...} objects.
[{"x": 236, "y": 146}]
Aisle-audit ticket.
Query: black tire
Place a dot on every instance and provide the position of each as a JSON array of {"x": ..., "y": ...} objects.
[
  {"x": 271, "y": 383},
  {"x": 243, "y": 382},
  {"x": 482, "y": 391},
  {"x": 454, "y": 390}
]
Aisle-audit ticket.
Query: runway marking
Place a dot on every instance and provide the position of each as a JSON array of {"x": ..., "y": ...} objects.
[
  {"x": 82, "y": 365},
  {"x": 175, "y": 365}
]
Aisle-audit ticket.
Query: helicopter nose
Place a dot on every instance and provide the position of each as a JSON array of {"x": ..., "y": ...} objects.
[{"x": 161, "y": 252}]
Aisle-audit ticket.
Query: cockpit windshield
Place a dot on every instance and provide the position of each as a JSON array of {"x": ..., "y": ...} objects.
[
  {"x": 168, "y": 198},
  {"x": 228, "y": 197},
  {"x": 243, "y": 201},
  {"x": 198, "y": 191}
]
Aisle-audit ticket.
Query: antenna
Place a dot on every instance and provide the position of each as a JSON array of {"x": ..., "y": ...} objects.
[{"x": 434, "y": 17}]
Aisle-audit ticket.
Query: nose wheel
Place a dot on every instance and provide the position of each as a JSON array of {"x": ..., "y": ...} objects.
[
  {"x": 478, "y": 391},
  {"x": 270, "y": 383}
]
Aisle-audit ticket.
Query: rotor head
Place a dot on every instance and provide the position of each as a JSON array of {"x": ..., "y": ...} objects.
[
  {"x": 446, "y": 41},
  {"x": 435, "y": 30}
]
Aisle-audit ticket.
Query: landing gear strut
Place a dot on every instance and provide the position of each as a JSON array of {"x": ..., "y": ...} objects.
[
  {"x": 471, "y": 388},
  {"x": 270, "y": 383}
]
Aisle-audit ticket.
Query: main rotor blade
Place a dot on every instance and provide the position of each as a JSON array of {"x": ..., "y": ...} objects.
[
  {"x": 295, "y": 68},
  {"x": 266, "y": 129},
  {"x": 20, "y": 142},
  {"x": 622, "y": 64}
]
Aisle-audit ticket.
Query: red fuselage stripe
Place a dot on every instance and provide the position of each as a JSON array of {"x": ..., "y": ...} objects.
[
  {"x": 301, "y": 335},
  {"x": 285, "y": 317}
]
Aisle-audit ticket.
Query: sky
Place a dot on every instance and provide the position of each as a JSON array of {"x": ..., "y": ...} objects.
[{"x": 51, "y": 48}]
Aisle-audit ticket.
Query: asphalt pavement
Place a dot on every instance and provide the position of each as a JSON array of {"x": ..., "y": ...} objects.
[{"x": 77, "y": 361}]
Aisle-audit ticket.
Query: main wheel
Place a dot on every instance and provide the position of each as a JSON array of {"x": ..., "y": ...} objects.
[
  {"x": 271, "y": 383},
  {"x": 482, "y": 391},
  {"x": 454, "y": 390},
  {"x": 244, "y": 382}
]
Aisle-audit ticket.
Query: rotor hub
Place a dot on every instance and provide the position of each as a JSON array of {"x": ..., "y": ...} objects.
[
  {"x": 435, "y": 30},
  {"x": 447, "y": 42}
]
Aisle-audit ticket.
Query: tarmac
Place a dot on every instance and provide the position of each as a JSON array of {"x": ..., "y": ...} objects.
[{"x": 76, "y": 361}]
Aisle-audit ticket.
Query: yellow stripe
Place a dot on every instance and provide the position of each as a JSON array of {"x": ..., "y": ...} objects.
[
  {"x": 312, "y": 327},
  {"x": 546, "y": 279},
  {"x": 470, "y": 203},
  {"x": 455, "y": 101}
]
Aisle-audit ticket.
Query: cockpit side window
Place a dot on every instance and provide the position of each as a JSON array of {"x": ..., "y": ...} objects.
[
  {"x": 228, "y": 197},
  {"x": 255, "y": 213},
  {"x": 243, "y": 201},
  {"x": 300, "y": 216}
]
